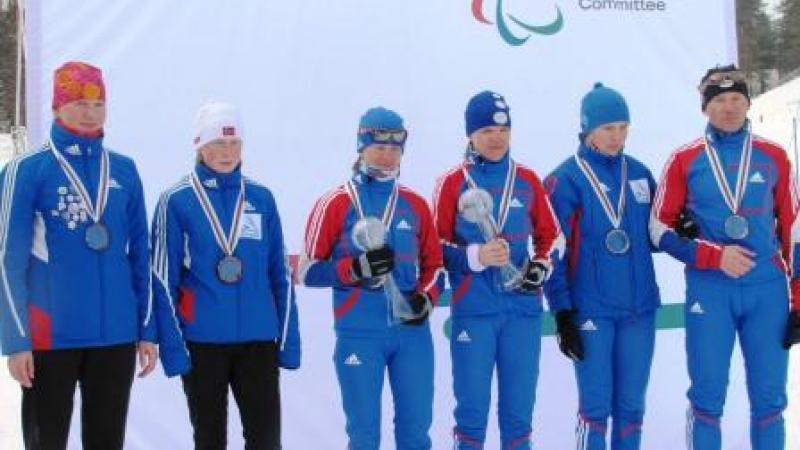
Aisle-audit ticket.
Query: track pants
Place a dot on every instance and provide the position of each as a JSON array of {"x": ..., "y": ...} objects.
[
  {"x": 406, "y": 353},
  {"x": 251, "y": 370},
  {"x": 715, "y": 313},
  {"x": 105, "y": 375},
  {"x": 612, "y": 379},
  {"x": 478, "y": 344}
]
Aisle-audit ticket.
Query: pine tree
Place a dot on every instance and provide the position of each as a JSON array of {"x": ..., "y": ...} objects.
[
  {"x": 756, "y": 36},
  {"x": 788, "y": 54},
  {"x": 8, "y": 67}
]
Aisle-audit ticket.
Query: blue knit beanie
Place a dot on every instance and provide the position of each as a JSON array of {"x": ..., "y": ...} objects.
[
  {"x": 601, "y": 106},
  {"x": 486, "y": 109},
  {"x": 378, "y": 118}
]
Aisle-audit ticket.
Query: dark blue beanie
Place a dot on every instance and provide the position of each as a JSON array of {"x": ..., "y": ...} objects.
[
  {"x": 601, "y": 106},
  {"x": 378, "y": 118},
  {"x": 486, "y": 109}
]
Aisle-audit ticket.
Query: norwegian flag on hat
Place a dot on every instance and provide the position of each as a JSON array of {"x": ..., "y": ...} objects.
[{"x": 215, "y": 120}]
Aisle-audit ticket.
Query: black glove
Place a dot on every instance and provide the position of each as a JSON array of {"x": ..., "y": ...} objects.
[
  {"x": 373, "y": 263},
  {"x": 687, "y": 226},
  {"x": 792, "y": 335},
  {"x": 569, "y": 339},
  {"x": 534, "y": 274},
  {"x": 419, "y": 305}
]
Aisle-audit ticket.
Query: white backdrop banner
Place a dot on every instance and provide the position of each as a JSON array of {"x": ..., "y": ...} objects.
[{"x": 303, "y": 71}]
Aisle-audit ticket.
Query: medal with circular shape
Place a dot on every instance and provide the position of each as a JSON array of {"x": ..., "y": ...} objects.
[
  {"x": 230, "y": 269},
  {"x": 617, "y": 241},
  {"x": 97, "y": 236},
  {"x": 736, "y": 227}
]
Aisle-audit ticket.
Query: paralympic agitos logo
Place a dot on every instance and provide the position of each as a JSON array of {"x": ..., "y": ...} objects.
[{"x": 505, "y": 30}]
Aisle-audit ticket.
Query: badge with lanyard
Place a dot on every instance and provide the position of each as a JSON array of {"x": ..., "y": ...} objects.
[
  {"x": 229, "y": 268},
  {"x": 617, "y": 240},
  {"x": 736, "y": 225},
  {"x": 97, "y": 235}
]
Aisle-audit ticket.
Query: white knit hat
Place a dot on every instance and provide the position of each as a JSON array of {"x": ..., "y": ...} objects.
[{"x": 214, "y": 120}]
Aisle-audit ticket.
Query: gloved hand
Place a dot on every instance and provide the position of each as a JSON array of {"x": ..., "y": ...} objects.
[
  {"x": 419, "y": 303},
  {"x": 792, "y": 335},
  {"x": 373, "y": 263},
  {"x": 534, "y": 274},
  {"x": 569, "y": 338},
  {"x": 687, "y": 226}
]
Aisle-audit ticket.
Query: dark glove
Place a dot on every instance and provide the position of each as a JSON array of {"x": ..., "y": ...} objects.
[
  {"x": 792, "y": 335},
  {"x": 373, "y": 263},
  {"x": 569, "y": 338},
  {"x": 534, "y": 274},
  {"x": 419, "y": 305},
  {"x": 687, "y": 226}
]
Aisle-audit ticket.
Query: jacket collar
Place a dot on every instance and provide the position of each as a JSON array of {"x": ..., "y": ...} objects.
[{"x": 215, "y": 180}]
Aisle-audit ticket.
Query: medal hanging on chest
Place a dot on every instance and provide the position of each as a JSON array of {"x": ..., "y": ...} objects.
[
  {"x": 736, "y": 225},
  {"x": 230, "y": 268},
  {"x": 617, "y": 241},
  {"x": 97, "y": 235}
]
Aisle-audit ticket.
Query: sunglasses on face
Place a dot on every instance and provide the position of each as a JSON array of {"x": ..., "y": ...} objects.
[
  {"x": 385, "y": 136},
  {"x": 723, "y": 79}
]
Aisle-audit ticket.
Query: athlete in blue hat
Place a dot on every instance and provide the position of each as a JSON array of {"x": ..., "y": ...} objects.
[
  {"x": 603, "y": 292},
  {"x": 487, "y": 209},
  {"x": 373, "y": 241}
]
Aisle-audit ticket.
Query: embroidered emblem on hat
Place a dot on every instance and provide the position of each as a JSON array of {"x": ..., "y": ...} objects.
[
  {"x": 229, "y": 131},
  {"x": 500, "y": 104},
  {"x": 500, "y": 118}
]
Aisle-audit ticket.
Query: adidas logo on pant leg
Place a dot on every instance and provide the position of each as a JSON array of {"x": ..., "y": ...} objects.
[{"x": 352, "y": 360}]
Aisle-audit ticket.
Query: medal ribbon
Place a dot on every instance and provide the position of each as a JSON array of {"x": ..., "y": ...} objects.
[
  {"x": 227, "y": 242},
  {"x": 388, "y": 210},
  {"x": 94, "y": 209},
  {"x": 508, "y": 190},
  {"x": 733, "y": 200},
  {"x": 614, "y": 216}
]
